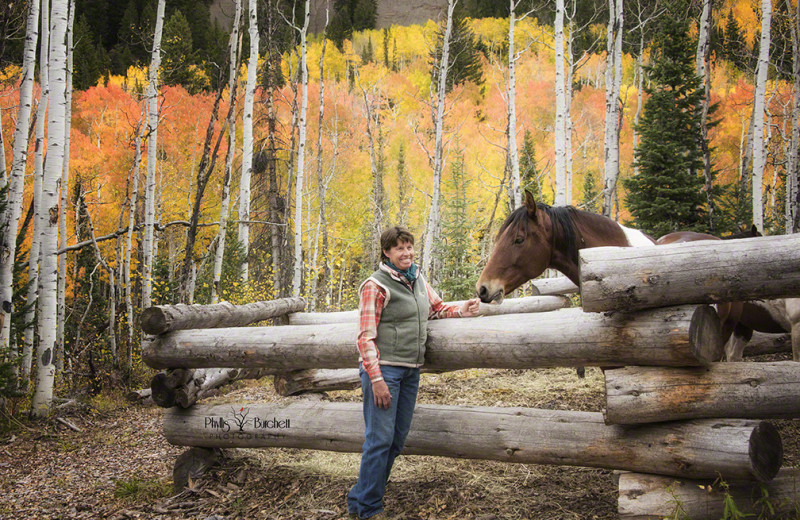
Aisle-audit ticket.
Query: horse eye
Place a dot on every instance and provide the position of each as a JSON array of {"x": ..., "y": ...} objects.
[{"x": 519, "y": 240}]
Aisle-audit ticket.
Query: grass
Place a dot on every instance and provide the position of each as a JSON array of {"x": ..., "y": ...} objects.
[{"x": 136, "y": 489}]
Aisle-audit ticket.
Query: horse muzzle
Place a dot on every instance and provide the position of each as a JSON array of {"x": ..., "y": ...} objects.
[{"x": 490, "y": 293}]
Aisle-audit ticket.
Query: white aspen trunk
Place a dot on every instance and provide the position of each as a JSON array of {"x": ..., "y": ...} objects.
[
  {"x": 613, "y": 83},
  {"x": 639, "y": 97},
  {"x": 9, "y": 217},
  {"x": 112, "y": 296},
  {"x": 793, "y": 194},
  {"x": 297, "y": 279},
  {"x": 4, "y": 177},
  {"x": 703, "y": 38},
  {"x": 513, "y": 156},
  {"x": 48, "y": 300},
  {"x": 126, "y": 273},
  {"x": 432, "y": 226},
  {"x": 64, "y": 187},
  {"x": 247, "y": 140},
  {"x": 322, "y": 221},
  {"x": 702, "y": 69},
  {"x": 567, "y": 116},
  {"x": 561, "y": 103},
  {"x": 377, "y": 176},
  {"x": 226, "y": 183},
  {"x": 152, "y": 145},
  {"x": 38, "y": 217},
  {"x": 759, "y": 155}
]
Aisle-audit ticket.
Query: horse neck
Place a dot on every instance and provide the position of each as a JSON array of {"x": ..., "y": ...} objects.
[{"x": 590, "y": 231}]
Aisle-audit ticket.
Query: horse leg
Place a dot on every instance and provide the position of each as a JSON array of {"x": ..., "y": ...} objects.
[
  {"x": 729, "y": 315},
  {"x": 734, "y": 347},
  {"x": 793, "y": 315}
]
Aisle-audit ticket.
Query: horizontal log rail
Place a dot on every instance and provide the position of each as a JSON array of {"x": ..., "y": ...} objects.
[
  {"x": 655, "y": 497},
  {"x": 509, "y": 306},
  {"x": 736, "y": 449},
  {"x": 630, "y": 278},
  {"x": 682, "y": 336},
  {"x": 746, "y": 390},
  {"x": 161, "y": 319}
]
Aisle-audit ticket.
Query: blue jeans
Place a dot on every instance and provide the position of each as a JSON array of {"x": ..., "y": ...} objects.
[{"x": 385, "y": 434}]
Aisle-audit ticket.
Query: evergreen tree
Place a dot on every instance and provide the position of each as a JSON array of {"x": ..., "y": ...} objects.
[
  {"x": 465, "y": 60},
  {"x": 386, "y": 47},
  {"x": 177, "y": 52},
  {"x": 591, "y": 193},
  {"x": 667, "y": 195},
  {"x": 529, "y": 177},
  {"x": 90, "y": 59},
  {"x": 458, "y": 273},
  {"x": 349, "y": 16},
  {"x": 229, "y": 287},
  {"x": 403, "y": 187},
  {"x": 368, "y": 54},
  {"x": 734, "y": 46}
]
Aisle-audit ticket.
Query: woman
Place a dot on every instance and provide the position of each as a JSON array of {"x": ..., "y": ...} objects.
[{"x": 395, "y": 303}]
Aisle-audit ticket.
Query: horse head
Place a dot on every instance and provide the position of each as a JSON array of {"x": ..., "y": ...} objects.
[{"x": 522, "y": 251}]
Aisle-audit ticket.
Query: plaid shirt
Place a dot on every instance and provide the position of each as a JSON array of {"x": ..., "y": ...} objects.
[{"x": 370, "y": 306}]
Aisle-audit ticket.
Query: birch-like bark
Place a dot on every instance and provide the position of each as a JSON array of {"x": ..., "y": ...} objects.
[
  {"x": 793, "y": 194},
  {"x": 297, "y": 279},
  {"x": 513, "y": 155},
  {"x": 233, "y": 59},
  {"x": 376, "y": 171},
  {"x": 567, "y": 115},
  {"x": 64, "y": 187},
  {"x": 9, "y": 217},
  {"x": 759, "y": 155},
  {"x": 613, "y": 83},
  {"x": 433, "y": 224},
  {"x": 321, "y": 278},
  {"x": 702, "y": 69},
  {"x": 152, "y": 147},
  {"x": 561, "y": 103},
  {"x": 38, "y": 217},
  {"x": 48, "y": 300},
  {"x": 3, "y": 165},
  {"x": 126, "y": 272},
  {"x": 112, "y": 296},
  {"x": 639, "y": 96},
  {"x": 247, "y": 140}
]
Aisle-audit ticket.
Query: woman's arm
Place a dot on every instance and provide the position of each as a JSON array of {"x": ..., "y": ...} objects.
[
  {"x": 440, "y": 310},
  {"x": 370, "y": 306}
]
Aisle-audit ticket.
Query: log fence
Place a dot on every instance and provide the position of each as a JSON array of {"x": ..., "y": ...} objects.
[{"x": 671, "y": 407}]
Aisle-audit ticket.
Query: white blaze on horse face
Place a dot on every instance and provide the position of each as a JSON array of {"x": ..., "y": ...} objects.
[{"x": 636, "y": 238}]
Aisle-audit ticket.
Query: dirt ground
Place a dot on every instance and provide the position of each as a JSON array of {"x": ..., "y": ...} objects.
[{"x": 120, "y": 465}]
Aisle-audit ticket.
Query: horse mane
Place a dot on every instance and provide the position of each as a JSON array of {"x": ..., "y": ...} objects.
[{"x": 564, "y": 229}]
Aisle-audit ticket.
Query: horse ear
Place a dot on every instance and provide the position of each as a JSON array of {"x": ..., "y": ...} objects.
[{"x": 530, "y": 204}]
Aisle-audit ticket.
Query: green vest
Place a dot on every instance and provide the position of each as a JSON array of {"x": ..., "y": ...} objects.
[{"x": 403, "y": 330}]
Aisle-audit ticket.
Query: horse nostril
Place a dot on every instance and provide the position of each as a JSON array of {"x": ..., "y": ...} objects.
[{"x": 482, "y": 292}]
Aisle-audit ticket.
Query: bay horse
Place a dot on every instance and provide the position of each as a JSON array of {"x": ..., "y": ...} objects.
[
  {"x": 536, "y": 236},
  {"x": 775, "y": 316}
]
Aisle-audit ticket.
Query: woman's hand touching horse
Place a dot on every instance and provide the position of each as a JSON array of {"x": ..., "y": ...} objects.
[{"x": 470, "y": 308}]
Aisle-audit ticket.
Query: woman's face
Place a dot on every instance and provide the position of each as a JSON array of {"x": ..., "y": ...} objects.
[{"x": 401, "y": 255}]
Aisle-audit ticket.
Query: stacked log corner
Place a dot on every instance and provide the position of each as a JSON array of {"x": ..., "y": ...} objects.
[
  {"x": 183, "y": 386},
  {"x": 630, "y": 278}
]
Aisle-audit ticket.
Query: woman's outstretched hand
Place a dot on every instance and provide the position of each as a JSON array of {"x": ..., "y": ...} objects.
[{"x": 470, "y": 308}]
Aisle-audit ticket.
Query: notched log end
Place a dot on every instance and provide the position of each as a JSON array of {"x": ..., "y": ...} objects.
[
  {"x": 153, "y": 321},
  {"x": 705, "y": 335},
  {"x": 765, "y": 451}
]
